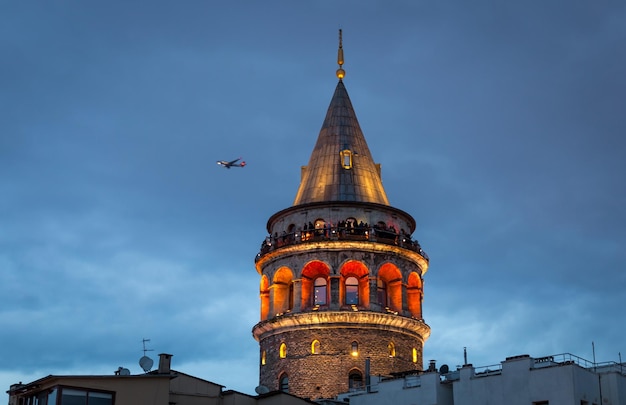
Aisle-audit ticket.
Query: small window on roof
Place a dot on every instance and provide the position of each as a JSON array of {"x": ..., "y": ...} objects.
[{"x": 346, "y": 158}]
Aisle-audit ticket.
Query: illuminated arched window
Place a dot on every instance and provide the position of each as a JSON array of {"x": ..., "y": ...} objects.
[
  {"x": 315, "y": 347},
  {"x": 346, "y": 158},
  {"x": 414, "y": 355},
  {"x": 283, "y": 383},
  {"x": 263, "y": 358},
  {"x": 352, "y": 291},
  {"x": 354, "y": 350},
  {"x": 283, "y": 351},
  {"x": 381, "y": 291},
  {"x": 355, "y": 380},
  {"x": 320, "y": 291},
  {"x": 391, "y": 349},
  {"x": 265, "y": 297}
]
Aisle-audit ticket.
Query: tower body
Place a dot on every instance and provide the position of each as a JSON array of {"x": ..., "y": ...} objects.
[{"x": 341, "y": 274}]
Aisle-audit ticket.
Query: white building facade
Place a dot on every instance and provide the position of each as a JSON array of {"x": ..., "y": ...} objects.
[{"x": 562, "y": 379}]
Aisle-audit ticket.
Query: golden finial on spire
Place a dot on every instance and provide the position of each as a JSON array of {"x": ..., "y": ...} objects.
[{"x": 340, "y": 72}]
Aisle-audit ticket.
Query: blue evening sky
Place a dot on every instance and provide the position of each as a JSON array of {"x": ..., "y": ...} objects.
[{"x": 499, "y": 126}]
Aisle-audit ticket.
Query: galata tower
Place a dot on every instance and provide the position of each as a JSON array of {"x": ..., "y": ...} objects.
[{"x": 341, "y": 272}]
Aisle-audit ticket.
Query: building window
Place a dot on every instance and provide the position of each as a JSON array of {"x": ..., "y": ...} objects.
[
  {"x": 354, "y": 350},
  {"x": 391, "y": 349},
  {"x": 283, "y": 351},
  {"x": 414, "y": 358},
  {"x": 320, "y": 291},
  {"x": 352, "y": 291},
  {"x": 73, "y": 396},
  {"x": 40, "y": 398},
  {"x": 263, "y": 358},
  {"x": 79, "y": 397},
  {"x": 541, "y": 403},
  {"x": 99, "y": 398},
  {"x": 381, "y": 290},
  {"x": 355, "y": 380},
  {"x": 283, "y": 383},
  {"x": 290, "y": 296},
  {"x": 346, "y": 158},
  {"x": 315, "y": 347}
]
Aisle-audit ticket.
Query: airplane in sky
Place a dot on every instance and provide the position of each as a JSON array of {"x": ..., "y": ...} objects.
[{"x": 232, "y": 163}]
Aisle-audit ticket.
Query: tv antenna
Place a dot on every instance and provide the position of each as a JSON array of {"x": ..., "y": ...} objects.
[{"x": 146, "y": 362}]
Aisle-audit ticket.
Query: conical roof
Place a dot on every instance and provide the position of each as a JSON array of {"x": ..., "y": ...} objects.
[{"x": 341, "y": 167}]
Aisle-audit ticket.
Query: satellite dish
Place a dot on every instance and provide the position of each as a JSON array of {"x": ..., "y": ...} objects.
[
  {"x": 124, "y": 371},
  {"x": 146, "y": 363},
  {"x": 262, "y": 389},
  {"x": 444, "y": 369}
]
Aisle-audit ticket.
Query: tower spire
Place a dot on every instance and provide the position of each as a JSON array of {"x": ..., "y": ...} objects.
[
  {"x": 340, "y": 72},
  {"x": 341, "y": 167}
]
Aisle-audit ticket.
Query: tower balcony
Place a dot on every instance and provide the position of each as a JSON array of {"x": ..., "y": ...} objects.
[
  {"x": 360, "y": 320},
  {"x": 328, "y": 234}
]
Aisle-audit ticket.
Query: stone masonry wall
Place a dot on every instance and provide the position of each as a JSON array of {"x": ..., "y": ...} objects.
[{"x": 325, "y": 375}]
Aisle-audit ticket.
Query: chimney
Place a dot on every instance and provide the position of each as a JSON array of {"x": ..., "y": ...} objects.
[
  {"x": 165, "y": 361},
  {"x": 432, "y": 366}
]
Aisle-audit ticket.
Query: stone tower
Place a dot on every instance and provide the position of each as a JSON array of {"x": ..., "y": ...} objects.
[{"x": 341, "y": 275}]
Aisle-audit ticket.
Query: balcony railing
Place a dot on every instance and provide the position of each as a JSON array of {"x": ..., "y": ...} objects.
[
  {"x": 369, "y": 234},
  {"x": 568, "y": 358}
]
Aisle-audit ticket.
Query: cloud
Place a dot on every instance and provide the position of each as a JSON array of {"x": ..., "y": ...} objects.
[{"x": 498, "y": 128}]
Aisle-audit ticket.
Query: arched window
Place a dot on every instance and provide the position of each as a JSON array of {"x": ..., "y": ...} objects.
[
  {"x": 282, "y": 284},
  {"x": 354, "y": 350},
  {"x": 315, "y": 347},
  {"x": 381, "y": 290},
  {"x": 263, "y": 358},
  {"x": 265, "y": 297},
  {"x": 355, "y": 380},
  {"x": 314, "y": 285},
  {"x": 414, "y": 355},
  {"x": 283, "y": 351},
  {"x": 391, "y": 349},
  {"x": 291, "y": 233},
  {"x": 346, "y": 158},
  {"x": 320, "y": 291},
  {"x": 390, "y": 291},
  {"x": 283, "y": 383},
  {"x": 352, "y": 291},
  {"x": 414, "y": 295}
]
